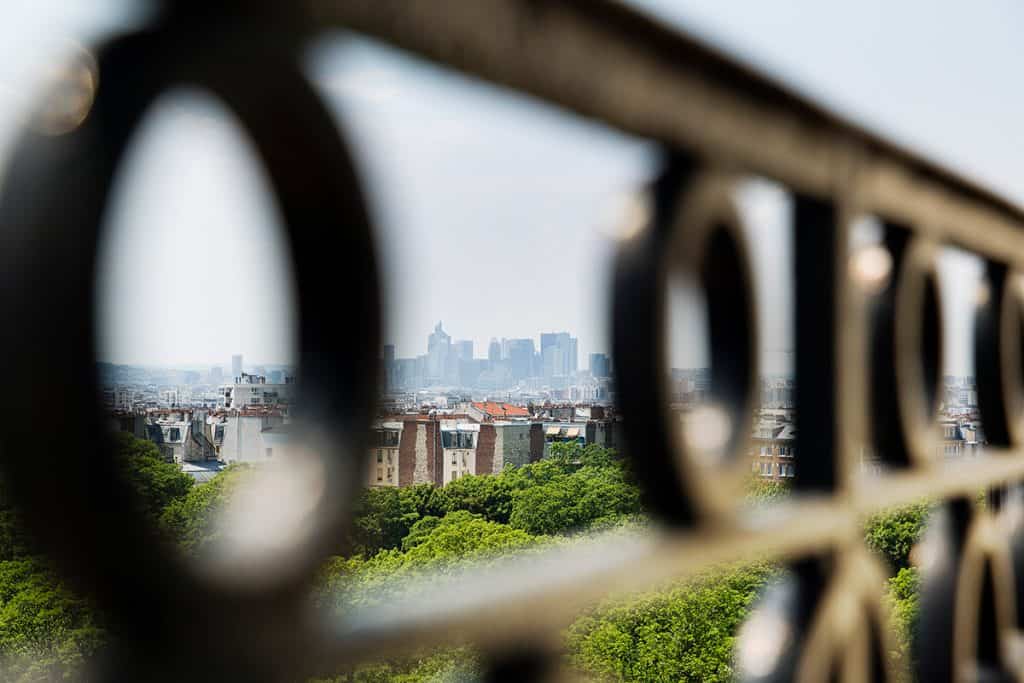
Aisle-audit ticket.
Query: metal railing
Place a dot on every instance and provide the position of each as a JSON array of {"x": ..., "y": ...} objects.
[{"x": 864, "y": 360}]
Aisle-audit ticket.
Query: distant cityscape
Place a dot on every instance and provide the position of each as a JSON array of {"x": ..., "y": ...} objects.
[
  {"x": 446, "y": 413},
  {"x": 516, "y": 368}
]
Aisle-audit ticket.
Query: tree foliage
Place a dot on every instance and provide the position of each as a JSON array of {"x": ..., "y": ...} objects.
[
  {"x": 156, "y": 482},
  {"x": 904, "y": 606},
  {"x": 763, "y": 490},
  {"x": 47, "y": 632},
  {"x": 438, "y": 546},
  {"x": 892, "y": 534},
  {"x": 192, "y": 518},
  {"x": 570, "y": 501},
  {"x": 409, "y": 539},
  {"x": 573, "y": 488},
  {"x": 384, "y": 516},
  {"x": 685, "y": 633}
]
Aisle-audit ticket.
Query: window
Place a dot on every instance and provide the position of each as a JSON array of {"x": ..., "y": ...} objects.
[
  {"x": 380, "y": 456},
  {"x": 386, "y": 438},
  {"x": 380, "y": 474},
  {"x": 455, "y": 460},
  {"x": 452, "y": 439},
  {"x": 389, "y": 457}
]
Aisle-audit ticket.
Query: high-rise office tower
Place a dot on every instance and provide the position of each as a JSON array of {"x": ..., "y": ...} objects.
[
  {"x": 494, "y": 351},
  {"x": 463, "y": 349},
  {"x": 236, "y": 366},
  {"x": 439, "y": 345},
  {"x": 520, "y": 357},
  {"x": 558, "y": 351},
  {"x": 600, "y": 366},
  {"x": 390, "y": 368}
]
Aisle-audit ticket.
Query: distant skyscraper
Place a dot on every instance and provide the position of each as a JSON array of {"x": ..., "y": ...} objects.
[
  {"x": 467, "y": 368},
  {"x": 439, "y": 346},
  {"x": 547, "y": 341},
  {"x": 572, "y": 355},
  {"x": 216, "y": 375},
  {"x": 390, "y": 368},
  {"x": 236, "y": 365},
  {"x": 463, "y": 349},
  {"x": 494, "y": 351},
  {"x": 558, "y": 351},
  {"x": 520, "y": 357},
  {"x": 599, "y": 365}
]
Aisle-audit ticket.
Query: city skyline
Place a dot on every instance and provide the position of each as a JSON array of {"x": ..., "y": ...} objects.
[
  {"x": 536, "y": 190},
  {"x": 481, "y": 345}
]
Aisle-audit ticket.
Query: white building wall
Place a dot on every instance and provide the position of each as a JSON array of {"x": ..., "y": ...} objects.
[
  {"x": 458, "y": 462},
  {"x": 383, "y": 470},
  {"x": 243, "y": 395},
  {"x": 243, "y": 438},
  {"x": 123, "y": 399}
]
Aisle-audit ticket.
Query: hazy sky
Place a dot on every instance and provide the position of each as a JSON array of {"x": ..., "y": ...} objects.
[{"x": 495, "y": 211}]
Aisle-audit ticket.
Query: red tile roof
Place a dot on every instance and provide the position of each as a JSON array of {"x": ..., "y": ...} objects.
[{"x": 494, "y": 409}]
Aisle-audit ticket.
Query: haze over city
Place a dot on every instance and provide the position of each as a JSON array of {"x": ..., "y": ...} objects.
[{"x": 506, "y": 181}]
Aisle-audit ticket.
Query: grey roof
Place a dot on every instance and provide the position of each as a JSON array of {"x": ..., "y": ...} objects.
[
  {"x": 788, "y": 433},
  {"x": 202, "y": 471}
]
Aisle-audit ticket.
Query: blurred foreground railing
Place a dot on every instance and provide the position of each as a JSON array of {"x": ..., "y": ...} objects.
[{"x": 868, "y": 350}]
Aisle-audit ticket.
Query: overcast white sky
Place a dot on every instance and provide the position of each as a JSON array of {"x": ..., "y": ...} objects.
[{"x": 494, "y": 210}]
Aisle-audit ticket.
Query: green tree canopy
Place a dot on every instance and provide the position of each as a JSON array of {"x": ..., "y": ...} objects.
[
  {"x": 46, "y": 632},
  {"x": 156, "y": 482},
  {"x": 192, "y": 519},
  {"x": 569, "y": 501},
  {"x": 892, "y": 534},
  {"x": 685, "y": 633}
]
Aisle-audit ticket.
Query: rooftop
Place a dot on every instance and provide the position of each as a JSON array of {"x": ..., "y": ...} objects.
[{"x": 495, "y": 409}]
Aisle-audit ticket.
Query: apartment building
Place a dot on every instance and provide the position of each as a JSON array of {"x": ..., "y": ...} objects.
[{"x": 773, "y": 449}]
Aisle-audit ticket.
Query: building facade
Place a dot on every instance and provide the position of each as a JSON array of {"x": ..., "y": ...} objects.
[
  {"x": 774, "y": 454},
  {"x": 254, "y": 391}
]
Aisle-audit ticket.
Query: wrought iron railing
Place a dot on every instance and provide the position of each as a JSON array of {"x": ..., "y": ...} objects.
[{"x": 864, "y": 359}]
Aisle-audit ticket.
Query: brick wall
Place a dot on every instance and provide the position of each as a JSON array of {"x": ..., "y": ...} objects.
[
  {"x": 536, "y": 441},
  {"x": 485, "y": 449},
  {"x": 434, "y": 453},
  {"x": 407, "y": 453}
]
